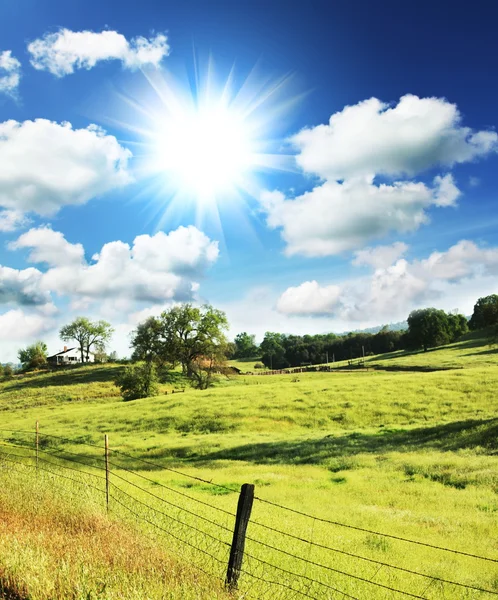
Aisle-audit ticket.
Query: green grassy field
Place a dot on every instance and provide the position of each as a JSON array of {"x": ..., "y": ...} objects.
[{"x": 406, "y": 453}]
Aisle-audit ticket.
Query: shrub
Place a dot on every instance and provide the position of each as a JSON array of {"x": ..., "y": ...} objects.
[
  {"x": 138, "y": 381},
  {"x": 259, "y": 366}
]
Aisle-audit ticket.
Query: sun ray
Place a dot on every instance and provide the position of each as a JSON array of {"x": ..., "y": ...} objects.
[{"x": 205, "y": 141}]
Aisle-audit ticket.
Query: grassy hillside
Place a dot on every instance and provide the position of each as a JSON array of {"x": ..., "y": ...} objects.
[
  {"x": 58, "y": 544},
  {"x": 412, "y": 454}
]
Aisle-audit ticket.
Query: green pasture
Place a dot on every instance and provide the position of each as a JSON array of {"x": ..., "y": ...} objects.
[{"x": 404, "y": 452}]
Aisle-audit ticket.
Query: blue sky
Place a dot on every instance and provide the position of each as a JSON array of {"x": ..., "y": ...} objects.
[{"x": 129, "y": 182}]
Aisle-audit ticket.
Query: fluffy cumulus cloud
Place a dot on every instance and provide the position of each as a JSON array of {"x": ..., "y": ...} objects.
[
  {"x": 51, "y": 247},
  {"x": 10, "y": 220},
  {"x": 463, "y": 271},
  {"x": 351, "y": 206},
  {"x": 309, "y": 298},
  {"x": 62, "y": 52},
  {"x": 10, "y": 73},
  {"x": 154, "y": 269},
  {"x": 375, "y": 138},
  {"x": 46, "y": 165},
  {"x": 335, "y": 217},
  {"x": 380, "y": 256},
  {"x": 17, "y": 325},
  {"x": 22, "y": 287}
]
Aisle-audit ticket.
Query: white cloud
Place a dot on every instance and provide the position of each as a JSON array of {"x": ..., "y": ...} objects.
[
  {"x": 155, "y": 269},
  {"x": 51, "y": 247},
  {"x": 452, "y": 278},
  {"x": 10, "y": 73},
  {"x": 373, "y": 138},
  {"x": 336, "y": 217},
  {"x": 22, "y": 287},
  {"x": 17, "y": 325},
  {"x": 309, "y": 298},
  {"x": 62, "y": 52},
  {"x": 381, "y": 256},
  {"x": 10, "y": 220},
  {"x": 46, "y": 165}
]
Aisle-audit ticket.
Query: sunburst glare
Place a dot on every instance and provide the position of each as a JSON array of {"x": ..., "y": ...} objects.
[{"x": 205, "y": 142}]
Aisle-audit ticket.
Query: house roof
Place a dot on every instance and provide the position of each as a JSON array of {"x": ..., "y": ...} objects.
[
  {"x": 66, "y": 351},
  {"x": 63, "y": 352}
]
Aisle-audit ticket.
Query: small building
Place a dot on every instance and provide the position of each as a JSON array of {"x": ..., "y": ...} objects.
[{"x": 69, "y": 356}]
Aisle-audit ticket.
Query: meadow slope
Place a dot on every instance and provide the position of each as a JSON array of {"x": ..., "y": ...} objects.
[{"x": 407, "y": 453}]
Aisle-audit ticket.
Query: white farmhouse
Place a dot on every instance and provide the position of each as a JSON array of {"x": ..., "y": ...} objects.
[{"x": 69, "y": 356}]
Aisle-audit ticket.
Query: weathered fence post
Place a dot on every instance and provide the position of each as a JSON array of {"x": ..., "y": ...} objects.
[
  {"x": 244, "y": 508},
  {"x": 106, "y": 444},
  {"x": 37, "y": 438}
]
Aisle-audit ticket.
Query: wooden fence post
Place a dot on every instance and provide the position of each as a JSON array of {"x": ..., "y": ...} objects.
[
  {"x": 106, "y": 444},
  {"x": 37, "y": 438},
  {"x": 244, "y": 508}
]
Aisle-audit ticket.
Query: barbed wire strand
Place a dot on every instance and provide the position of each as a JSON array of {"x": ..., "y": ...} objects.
[
  {"x": 372, "y": 560},
  {"x": 101, "y": 477},
  {"x": 170, "y": 488},
  {"x": 10, "y": 444},
  {"x": 122, "y": 453},
  {"x": 114, "y": 474},
  {"x": 141, "y": 517},
  {"x": 170, "y": 517},
  {"x": 388, "y": 535},
  {"x": 56, "y": 474},
  {"x": 332, "y": 569},
  {"x": 287, "y": 572}
]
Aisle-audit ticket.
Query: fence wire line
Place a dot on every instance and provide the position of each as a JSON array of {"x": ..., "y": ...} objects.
[
  {"x": 323, "y": 520},
  {"x": 144, "y": 461},
  {"x": 59, "y": 457},
  {"x": 171, "y": 489},
  {"x": 388, "y": 535},
  {"x": 121, "y": 467},
  {"x": 18, "y": 462},
  {"x": 49, "y": 462},
  {"x": 80, "y": 471},
  {"x": 142, "y": 518},
  {"x": 284, "y": 585},
  {"x": 287, "y": 572},
  {"x": 169, "y": 516},
  {"x": 190, "y": 512},
  {"x": 332, "y": 569},
  {"x": 372, "y": 560}
]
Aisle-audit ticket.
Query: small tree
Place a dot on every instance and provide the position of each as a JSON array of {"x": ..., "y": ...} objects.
[
  {"x": 34, "y": 356},
  {"x": 87, "y": 334},
  {"x": 485, "y": 312},
  {"x": 138, "y": 381},
  {"x": 245, "y": 346},
  {"x": 8, "y": 371}
]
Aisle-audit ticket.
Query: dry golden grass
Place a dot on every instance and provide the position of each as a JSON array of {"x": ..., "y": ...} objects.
[{"x": 52, "y": 549}]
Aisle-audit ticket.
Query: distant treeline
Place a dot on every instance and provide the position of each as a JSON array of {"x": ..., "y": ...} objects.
[
  {"x": 280, "y": 351},
  {"x": 427, "y": 328}
]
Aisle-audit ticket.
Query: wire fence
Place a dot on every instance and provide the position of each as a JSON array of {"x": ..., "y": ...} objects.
[{"x": 287, "y": 554}]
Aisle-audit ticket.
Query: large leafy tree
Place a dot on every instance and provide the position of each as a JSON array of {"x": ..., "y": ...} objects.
[
  {"x": 428, "y": 327},
  {"x": 485, "y": 312},
  {"x": 245, "y": 346},
  {"x": 33, "y": 356},
  {"x": 190, "y": 332},
  {"x": 87, "y": 334},
  {"x": 147, "y": 341},
  {"x": 273, "y": 349},
  {"x": 182, "y": 335}
]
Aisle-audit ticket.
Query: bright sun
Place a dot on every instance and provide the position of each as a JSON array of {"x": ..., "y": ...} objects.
[
  {"x": 206, "y": 150},
  {"x": 203, "y": 142}
]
